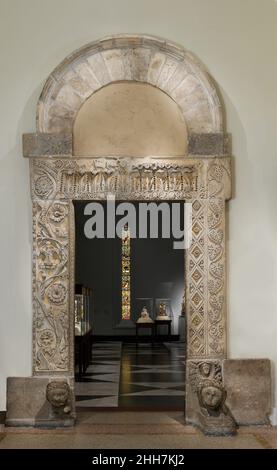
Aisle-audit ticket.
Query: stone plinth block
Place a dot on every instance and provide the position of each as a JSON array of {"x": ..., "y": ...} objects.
[
  {"x": 39, "y": 145},
  {"x": 214, "y": 144},
  {"x": 248, "y": 386},
  {"x": 27, "y": 404}
]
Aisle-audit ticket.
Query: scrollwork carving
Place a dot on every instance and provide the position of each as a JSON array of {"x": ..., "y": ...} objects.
[
  {"x": 43, "y": 186},
  {"x": 51, "y": 310},
  {"x": 218, "y": 178}
]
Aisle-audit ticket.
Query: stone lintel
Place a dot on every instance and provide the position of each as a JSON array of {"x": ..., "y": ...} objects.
[
  {"x": 27, "y": 404},
  {"x": 214, "y": 144},
  {"x": 248, "y": 386},
  {"x": 40, "y": 144}
]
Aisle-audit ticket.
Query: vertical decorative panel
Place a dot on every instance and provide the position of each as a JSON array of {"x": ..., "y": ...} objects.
[
  {"x": 51, "y": 286},
  {"x": 195, "y": 283}
]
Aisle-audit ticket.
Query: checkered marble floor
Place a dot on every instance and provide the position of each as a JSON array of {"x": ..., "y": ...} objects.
[
  {"x": 130, "y": 377},
  {"x": 100, "y": 385}
]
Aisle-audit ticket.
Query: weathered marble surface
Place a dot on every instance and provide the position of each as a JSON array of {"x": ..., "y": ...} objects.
[
  {"x": 214, "y": 144},
  {"x": 40, "y": 144},
  {"x": 248, "y": 386},
  {"x": 147, "y": 59},
  {"x": 27, "y": 404},
  {"x": 206, "y": 397}
]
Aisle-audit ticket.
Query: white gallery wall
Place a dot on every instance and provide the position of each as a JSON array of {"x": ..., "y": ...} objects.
[{"x": 236, "y": 40}]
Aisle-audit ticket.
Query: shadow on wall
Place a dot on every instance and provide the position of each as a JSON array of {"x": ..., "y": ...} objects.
[{"x": 16, "y": 251}]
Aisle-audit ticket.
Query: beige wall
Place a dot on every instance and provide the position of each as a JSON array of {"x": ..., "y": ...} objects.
[
  {"x": 129, "y": 119},
  {"x": 236, "y": 39}
]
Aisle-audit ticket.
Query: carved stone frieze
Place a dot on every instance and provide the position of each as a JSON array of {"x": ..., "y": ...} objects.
[{"x": 126, "y": 178}]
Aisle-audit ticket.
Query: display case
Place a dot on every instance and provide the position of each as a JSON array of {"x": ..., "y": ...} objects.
[
  {"x": 82, "y": 310},
  {"x": 143, "y": 304},
  {"x": 163, "y": 309}
]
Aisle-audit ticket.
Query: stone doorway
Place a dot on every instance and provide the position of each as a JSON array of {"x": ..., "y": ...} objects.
[{"x": 196, "y": 168}]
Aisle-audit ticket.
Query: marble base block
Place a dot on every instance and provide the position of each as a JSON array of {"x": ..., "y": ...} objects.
[
  {"x": 27, "y": 404},
  {"x": 248, "y": 386}
]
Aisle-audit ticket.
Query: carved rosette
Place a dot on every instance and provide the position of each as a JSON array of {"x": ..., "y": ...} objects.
[{"x": 51, "y": 286}]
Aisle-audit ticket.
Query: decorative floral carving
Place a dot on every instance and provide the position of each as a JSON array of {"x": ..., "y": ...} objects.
[
  {"x": 216, "y": 331},
  {"x": 214, "y": 285},
  {"x": 51, "y": 348},
  {"x": 58, "y": 212},
  {"x": 215, "y": 217},
  {"x": 217, "y": 270},
  {"x": 216, "y": 236},
  {"x": 43, "y": 186},
  {"x": 216, "y": 172},
  {"x": 217, "y": 206},
  {"x": 46, "y": 339},
  {"x": 56, "y": 293},
  {"x": 125, "y": 177}
]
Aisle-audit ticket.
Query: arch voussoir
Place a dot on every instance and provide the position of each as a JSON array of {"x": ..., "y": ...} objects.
[{"x": 137, "y": 58}]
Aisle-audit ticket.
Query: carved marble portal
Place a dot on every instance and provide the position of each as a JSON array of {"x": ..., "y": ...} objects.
[{"x": 58, "y": 177}]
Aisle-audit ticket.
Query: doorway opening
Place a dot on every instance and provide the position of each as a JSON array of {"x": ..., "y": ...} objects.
[{"x": 126, "y": 361}]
